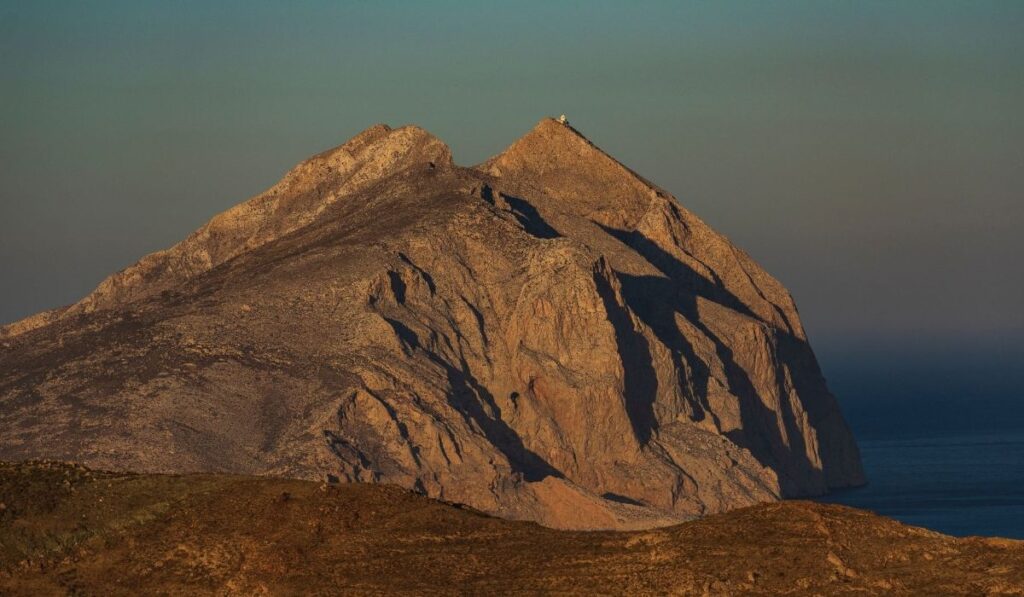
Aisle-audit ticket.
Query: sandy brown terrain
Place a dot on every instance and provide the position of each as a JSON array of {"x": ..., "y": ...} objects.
[{"x": 69, "y": 530}]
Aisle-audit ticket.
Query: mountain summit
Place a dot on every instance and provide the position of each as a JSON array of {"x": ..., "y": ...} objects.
[{"x": 545, "y": 336}]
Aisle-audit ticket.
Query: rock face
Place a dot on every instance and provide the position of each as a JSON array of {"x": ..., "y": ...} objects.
[{"x": 546, "y": 336}]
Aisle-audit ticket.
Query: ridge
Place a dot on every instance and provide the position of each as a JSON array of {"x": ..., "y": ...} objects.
[{"x": 302, "y": 194}]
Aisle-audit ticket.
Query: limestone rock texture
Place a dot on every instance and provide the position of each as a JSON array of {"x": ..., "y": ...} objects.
[{"x": 546, "y": 336}]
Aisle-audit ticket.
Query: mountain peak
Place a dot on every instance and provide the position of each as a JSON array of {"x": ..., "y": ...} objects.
[
  {"x": 567, "y": 166},
  {"x": 557, "y": 126},
  {"x": 408, "y": 143},
  {"x": 504, "y": 337},
  {"x": 548, "y": 139}
]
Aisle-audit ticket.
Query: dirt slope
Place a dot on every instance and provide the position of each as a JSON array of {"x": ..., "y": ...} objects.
[{"x": 71, "y": 530}]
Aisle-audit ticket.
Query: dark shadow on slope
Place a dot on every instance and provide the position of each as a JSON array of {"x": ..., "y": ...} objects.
[
  {"x": 840, "y": 456},
  {"x": 640, "y": 384},
  {"x": 477, "y": 403},
  {"x": 797, "y": 443},
  {"x": 397, "y": 287},
  {"x": 408, "y": 337},
  {"x": 650, "y": 297},
  {"x": 806, "y": 374},
  {"x": 656, "y": 300},
  {"x": 683, "y": 275},
  {"x": 523, "y": 211},
  {"x": 614, "y": 497},
  {"x": 530, "y": 218},
  {"x": 426, "y": 277}
]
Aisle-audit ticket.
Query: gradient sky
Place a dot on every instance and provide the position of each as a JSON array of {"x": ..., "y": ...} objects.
[{"x": 869, "y": 154}]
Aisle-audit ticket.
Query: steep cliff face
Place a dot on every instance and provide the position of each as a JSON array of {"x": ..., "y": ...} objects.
[{"x": 546, "y": 336}]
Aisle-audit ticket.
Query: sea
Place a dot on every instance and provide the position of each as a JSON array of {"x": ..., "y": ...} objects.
[
  {"x": 959, "y": 485},
  {"x": 941, "y": 434}
]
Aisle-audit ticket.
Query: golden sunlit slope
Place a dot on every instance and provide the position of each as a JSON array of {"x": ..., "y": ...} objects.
[{"x": 66, "y": 529}]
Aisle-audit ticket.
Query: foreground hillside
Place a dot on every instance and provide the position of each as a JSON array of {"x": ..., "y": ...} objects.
[
  {"x": 66, "y": 529},
  {"x": 546, "y": 336}
]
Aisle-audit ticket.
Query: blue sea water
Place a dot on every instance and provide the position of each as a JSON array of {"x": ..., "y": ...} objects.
[
  {"x": 956, "y": 484},
  {"x": 940, "y": 425}
]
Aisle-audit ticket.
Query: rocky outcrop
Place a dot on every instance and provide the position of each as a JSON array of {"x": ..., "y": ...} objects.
[{"x": 546, "y": 336}]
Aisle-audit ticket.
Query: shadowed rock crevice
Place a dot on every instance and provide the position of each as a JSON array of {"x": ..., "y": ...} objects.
[
  {"x": 656, "y": 301},
  {"x": 468, "y": 396},
  {"x": 474, "y": 401},
  {"x": 640, "y": 382},
  {"x": 426, "y": 277},
  {"x": 840, "y": 459},
  {"x": 651, "y": 298},
  {"x": 621, "y": 499},
  {"x": 521, "y": 209},
  {"x": 397, "y": 287},
  {"x": 687, "y": 280}
]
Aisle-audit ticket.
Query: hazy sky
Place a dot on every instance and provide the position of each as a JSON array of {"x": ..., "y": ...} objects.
[{"x": 869, "y": 154}]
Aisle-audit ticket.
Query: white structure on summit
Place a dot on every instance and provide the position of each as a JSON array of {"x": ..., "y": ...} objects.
[{"x": 563, "y": 120}]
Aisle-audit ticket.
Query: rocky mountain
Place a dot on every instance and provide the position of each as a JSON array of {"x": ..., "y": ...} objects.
[{"x": 545, "y": 336}]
